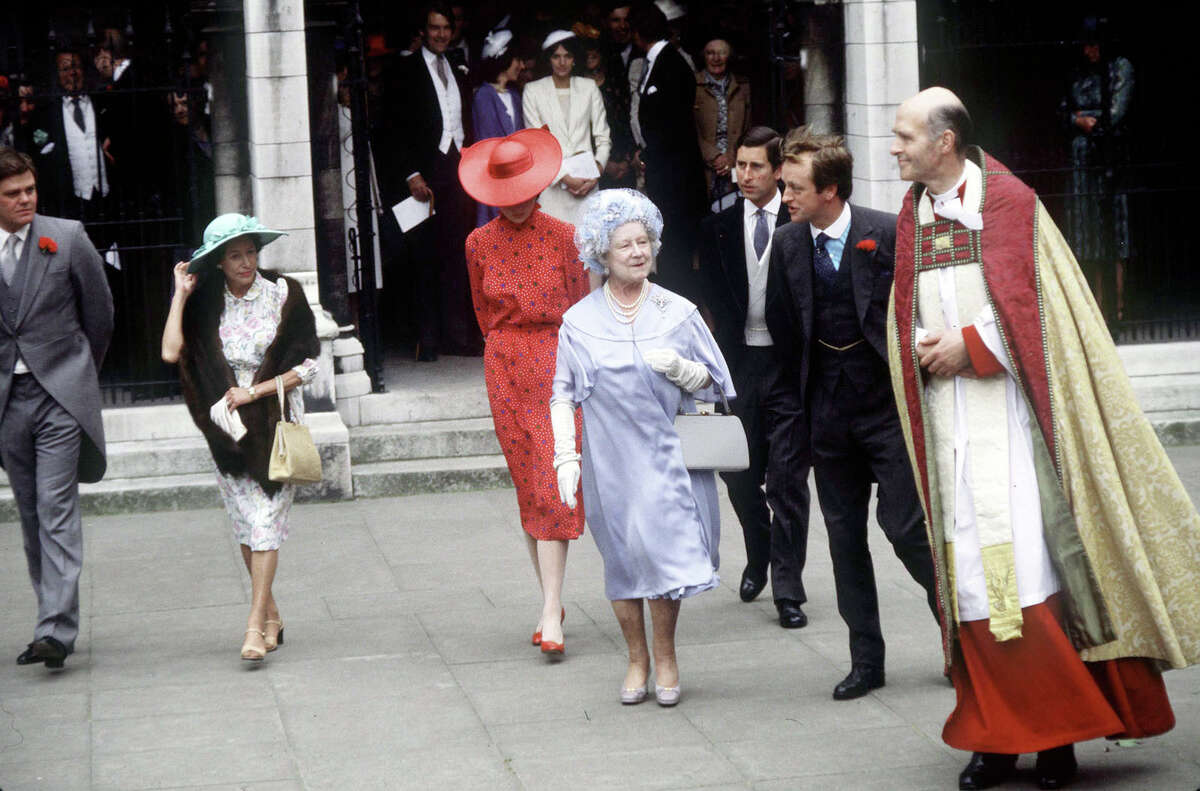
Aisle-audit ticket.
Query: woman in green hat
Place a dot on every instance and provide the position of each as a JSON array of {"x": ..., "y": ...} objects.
[{"x": 236, "y": 331}]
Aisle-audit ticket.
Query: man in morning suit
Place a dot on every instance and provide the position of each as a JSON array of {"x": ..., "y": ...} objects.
[
  {"x": 670, "y": 156},
  {"x": 430, "y": 118},
  {"x": 735, "y": 248},
  {"x": 829, "y": 280},
  {"x": 56, "y": 319}
]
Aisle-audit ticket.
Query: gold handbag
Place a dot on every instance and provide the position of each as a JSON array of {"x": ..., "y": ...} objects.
[{"x": 294, "y": 457}]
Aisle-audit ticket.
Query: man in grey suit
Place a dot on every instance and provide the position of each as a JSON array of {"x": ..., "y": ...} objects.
[{"x": 56, "y": 319}]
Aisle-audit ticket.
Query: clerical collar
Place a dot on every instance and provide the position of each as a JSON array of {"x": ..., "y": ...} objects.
[{"x": 957, "y": 190}]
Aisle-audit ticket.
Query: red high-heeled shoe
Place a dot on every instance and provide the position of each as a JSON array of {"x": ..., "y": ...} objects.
[
  {"x": 537, "y": 636},
  {"x": 551, "y": 647}
]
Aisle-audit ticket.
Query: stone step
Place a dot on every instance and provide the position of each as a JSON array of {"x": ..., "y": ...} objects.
[
  {"x": 1176, "y": 428},
  {"x": 1168, "y": 393},
  {"x": 417, "y": 476},
  {"x": 156, "y": 457},
  {"x": 425, "y": 439},
  {"x": 1155, "y": 359},
  {"x": 411, "y": 405}
]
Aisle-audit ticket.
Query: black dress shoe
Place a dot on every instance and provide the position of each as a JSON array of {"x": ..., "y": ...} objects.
[
  {"x": 1056, "y": 768},
  {"x": 27, "y": 657},
  {"x": 750, "y": 587},
  {"x": 985, "y": 770},
  {"x": 50, "y": 651},
  {"x": 790, "y": 614},
  {"x": 862, "y": 679},
  {"x": 426, "y": 357}
]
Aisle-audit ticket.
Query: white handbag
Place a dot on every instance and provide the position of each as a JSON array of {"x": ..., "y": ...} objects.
[{"x": 712, "y": 441}]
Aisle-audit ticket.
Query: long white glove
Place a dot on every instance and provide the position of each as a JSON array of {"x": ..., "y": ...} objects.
[
  {"x": 686, "y": 374},
  {"x": 566, "y": 459}
]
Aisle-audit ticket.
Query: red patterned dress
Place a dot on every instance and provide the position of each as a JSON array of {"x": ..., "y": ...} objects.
[{"x": 523, "y": 278}]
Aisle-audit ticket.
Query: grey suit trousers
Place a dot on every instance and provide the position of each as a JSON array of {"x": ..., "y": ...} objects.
[{"x": 39, "y": 445}]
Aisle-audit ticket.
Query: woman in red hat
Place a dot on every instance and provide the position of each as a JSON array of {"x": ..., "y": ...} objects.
[{"x": 525, "y": 272}]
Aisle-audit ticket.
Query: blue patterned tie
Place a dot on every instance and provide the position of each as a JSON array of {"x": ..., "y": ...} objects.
[
  {"x": 761, "y": 236},
  {"x": 822, "y": 263}
]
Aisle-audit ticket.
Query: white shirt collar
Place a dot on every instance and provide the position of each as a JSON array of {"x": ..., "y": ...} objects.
[
  {"x": 255, "y": 289},
  {"x": 772, "y": 207},
  {"x": 652, "y": 53},
  {"x": 836, "y": 228},
  {"x": 84, "y": 101},
  {"x": 21, "y": 233},
  {"x": 430, "y": 57}
]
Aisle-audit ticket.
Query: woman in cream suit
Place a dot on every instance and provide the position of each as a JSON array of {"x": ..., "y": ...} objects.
[{"x": 573, "y": 109}]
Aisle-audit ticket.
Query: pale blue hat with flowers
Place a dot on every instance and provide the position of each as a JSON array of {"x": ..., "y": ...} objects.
[
  {"x": 225, "y": 228},
  {"x": 605, "y": 212}
]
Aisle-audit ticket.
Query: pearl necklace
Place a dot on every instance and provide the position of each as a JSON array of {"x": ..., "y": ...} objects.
[{"x": 625, "y": 313}]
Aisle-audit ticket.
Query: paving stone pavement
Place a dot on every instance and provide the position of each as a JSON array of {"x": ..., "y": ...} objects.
[{"x": 407, "y": 665}]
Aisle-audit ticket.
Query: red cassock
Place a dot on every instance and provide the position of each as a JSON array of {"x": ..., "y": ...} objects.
[{"x": 523, "y": 278}]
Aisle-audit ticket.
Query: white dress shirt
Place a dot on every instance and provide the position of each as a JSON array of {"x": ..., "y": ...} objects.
[
  {"x": 449, "y": 100},
  {"x": 756, "y": 332},
  {"x": 88, "y": 170},
  {"x": 21, "y": 234}
]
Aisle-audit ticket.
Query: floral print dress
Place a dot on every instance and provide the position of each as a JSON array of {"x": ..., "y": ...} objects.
[{"x": 248, "y": 326}]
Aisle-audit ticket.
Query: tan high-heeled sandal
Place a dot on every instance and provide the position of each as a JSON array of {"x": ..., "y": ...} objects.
[
  {"x": 278, "y": 641},
  {"x": 249, "y": 652}
]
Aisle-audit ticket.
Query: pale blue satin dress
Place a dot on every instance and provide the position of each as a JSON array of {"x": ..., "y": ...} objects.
[{"x": 657, "y": 525}]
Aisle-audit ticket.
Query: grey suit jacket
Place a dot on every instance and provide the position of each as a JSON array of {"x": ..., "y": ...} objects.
[{"x": 62, "y": 330}]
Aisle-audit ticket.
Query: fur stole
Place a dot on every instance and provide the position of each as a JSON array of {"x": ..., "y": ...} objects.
[{"x": 206, "y": 375}]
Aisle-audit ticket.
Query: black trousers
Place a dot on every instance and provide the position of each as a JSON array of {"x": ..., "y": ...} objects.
[
  {"x": 857, "y": 440},
  {"x": 445, "y": 317},
  {"x": 774, "y": 524}
]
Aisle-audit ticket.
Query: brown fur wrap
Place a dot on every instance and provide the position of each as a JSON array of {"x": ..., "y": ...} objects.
[{"x": 205, "y": 374}]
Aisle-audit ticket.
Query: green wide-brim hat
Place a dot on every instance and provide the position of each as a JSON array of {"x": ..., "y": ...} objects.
[{"x": 226, "y": 228}]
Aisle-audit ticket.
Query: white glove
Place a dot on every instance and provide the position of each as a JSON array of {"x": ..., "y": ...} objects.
[
  {"x": 685, "y": 374},
  {"x": 566, "y": 460}
]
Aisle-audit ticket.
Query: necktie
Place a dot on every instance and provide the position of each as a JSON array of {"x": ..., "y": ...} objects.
[
  {"x": 8, "y": 259},
  {"x": 77, "y": 114},
  {"x": 822, "y": 263},
  {"x": 760, "y": 233},
  {"x": 441, "y": 71}
]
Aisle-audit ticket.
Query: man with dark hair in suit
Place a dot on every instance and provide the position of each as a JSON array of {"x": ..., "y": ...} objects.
[
  {"x": 670, "y": 156},
  {"x": 735, "y": 249},
  {"x": 77, "y": 152},
  {"x": 827, "y": 297},
  {"x": 56, "y": 319},
  {"x": 430, "y": 119}
]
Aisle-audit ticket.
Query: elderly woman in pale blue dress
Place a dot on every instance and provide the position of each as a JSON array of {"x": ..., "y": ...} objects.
[
  {"x": 633, "y": 354},
  {"x": 239, "y": 335}
]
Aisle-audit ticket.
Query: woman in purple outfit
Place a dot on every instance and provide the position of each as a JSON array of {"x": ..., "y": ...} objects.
[{"x": 496, "y": 109}]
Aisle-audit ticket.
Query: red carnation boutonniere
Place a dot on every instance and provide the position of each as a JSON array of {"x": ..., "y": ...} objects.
[
  {"x": 47, "y": 245},
  {"x": 866, "y": 245}
]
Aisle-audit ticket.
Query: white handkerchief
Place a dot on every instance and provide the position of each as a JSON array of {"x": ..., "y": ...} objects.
[
  {"x": 582, "y": 166},
  {"x": 411, "y": 212},
  {"x": 229, "y": 422}
]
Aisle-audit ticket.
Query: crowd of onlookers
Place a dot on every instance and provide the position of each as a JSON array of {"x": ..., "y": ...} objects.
[
  {"x": 92, "y": 126},
  {"x": 636, "y": 89}
]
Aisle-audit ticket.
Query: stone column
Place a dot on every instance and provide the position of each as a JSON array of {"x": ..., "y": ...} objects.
[
  {"x": 281, "y": 186},
  {"x": 881, "y": 72}
]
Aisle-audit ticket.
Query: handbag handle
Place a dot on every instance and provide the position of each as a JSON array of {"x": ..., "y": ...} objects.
[{"x": 279, "y": 393}]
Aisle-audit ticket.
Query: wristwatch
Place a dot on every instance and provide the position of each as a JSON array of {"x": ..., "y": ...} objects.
[{"x": 250, "y": 390}]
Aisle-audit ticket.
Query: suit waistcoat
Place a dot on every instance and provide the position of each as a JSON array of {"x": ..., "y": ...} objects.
[
  {"x": 10, "y": 295},
  {"x": 835, "y": 321}
]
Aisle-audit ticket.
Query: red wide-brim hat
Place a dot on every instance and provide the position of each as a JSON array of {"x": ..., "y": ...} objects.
[{"x": 505, "y": 171}]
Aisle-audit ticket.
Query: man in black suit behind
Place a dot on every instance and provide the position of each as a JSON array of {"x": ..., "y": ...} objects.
[
  {"x": 430, "y": 119},
  {"x": 735, "y": 248},
  {"x": 671, "y": 154},
  {"x": 829, "y": 281}
]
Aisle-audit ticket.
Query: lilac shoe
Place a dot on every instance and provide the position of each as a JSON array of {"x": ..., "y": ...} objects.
[
  {"x": 631, "y": 697},
  {"x": 666, "y": 696}
]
